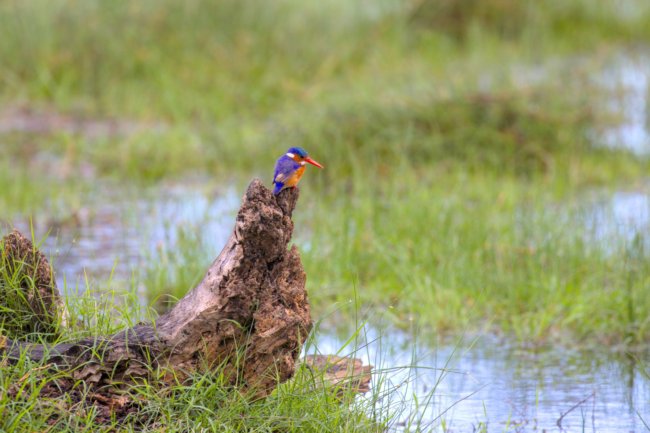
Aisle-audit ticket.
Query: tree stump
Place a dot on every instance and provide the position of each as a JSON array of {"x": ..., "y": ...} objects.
[
  {"x": 249, "y": 315},
  {"x": 29, "y": 300}
]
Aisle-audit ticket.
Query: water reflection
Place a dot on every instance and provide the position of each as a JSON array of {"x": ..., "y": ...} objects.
[
  {"x": 116, "y": 230},
  {"x": 459, "y": 386},
  {"x": 113, "y": 234},
  {"x": 628, "y": 76},
  {"x": 462, "y": 386},
  {"x": 615, "y": 221}
]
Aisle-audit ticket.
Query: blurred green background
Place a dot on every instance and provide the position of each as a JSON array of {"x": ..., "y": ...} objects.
[{"x": 476, "y": 151}]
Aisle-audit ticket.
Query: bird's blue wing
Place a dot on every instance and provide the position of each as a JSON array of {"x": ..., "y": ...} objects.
[{"x": 284, "y": 168}]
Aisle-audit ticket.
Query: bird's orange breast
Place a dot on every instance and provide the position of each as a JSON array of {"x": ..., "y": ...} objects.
[{"x": 295, "y": 177}]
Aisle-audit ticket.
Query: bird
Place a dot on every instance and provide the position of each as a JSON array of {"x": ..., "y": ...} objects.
[{"x": 290, "y": 167}]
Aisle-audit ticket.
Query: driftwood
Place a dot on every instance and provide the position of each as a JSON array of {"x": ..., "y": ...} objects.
[
  {"x": 249, "y": 316},
  {"x": 340, "y": 372},
  {"x": 29, "y": 300}
]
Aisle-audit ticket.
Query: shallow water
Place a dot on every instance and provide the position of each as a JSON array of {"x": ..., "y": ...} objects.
[
  {"x": 628, "y": 77},
  {"x": 488, "y": 382},
  {"x": 462, "y": 385},
  {"x": 117, "y": 230},
  {"x": 620, "y": 217}
]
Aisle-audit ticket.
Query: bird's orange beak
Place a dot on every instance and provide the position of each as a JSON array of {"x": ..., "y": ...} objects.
[{"x": 312, "y": 162}]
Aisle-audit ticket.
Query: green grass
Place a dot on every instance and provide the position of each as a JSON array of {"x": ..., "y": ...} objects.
[
  {"x": 456, "y": 252},
  {"x": 205, "y": 400},
  {"x": 435, "y": 139},
  {"x": 438, "y": 125},
  {"x": 493, "y": 254},
  {"x": 172, "y": 271},
  {"x": 213, "y": 61},
  {"x": 460, "y": 139}
]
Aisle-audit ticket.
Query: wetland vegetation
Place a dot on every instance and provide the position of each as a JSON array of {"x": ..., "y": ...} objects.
[{"x": 475, "y": 154}]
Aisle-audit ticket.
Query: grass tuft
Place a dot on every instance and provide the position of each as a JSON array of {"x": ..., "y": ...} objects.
[{"x": 30, "y": 306}]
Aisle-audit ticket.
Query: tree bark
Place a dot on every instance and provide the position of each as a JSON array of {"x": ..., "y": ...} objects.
[
  {"x": 249, "y": 316},
  {"x": 30, "y": 303}
]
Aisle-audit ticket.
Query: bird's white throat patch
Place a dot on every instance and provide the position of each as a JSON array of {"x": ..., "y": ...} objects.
[{"x": 302, "y": 162}]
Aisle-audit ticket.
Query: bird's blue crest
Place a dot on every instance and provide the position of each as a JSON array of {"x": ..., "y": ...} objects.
[{"x": 298, "y": 151}]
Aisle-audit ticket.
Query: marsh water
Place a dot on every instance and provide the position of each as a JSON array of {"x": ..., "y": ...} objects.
[
  {"x": 470, "y": 383},
  {"x": 486, "y": 382},
  {"x": 463, "y": 384}
]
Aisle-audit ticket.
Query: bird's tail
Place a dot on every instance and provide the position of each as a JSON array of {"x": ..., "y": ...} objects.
[{"x": 278, "y": 188}]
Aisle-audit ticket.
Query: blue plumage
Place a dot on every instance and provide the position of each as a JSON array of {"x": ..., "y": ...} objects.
[
  {"x": 290, "y": 167},
  {"x": 302, "y": 153},
  {"x": 285, "y": 167}
]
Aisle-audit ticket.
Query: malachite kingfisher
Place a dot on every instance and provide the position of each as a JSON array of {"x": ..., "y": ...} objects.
[{"x": 290, "y": 167}]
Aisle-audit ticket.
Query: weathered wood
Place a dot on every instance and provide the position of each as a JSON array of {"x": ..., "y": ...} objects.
[
  {"x": 249, "y": 315},
  {"x": 29, "y": 300},
  {"x": 340, "y": 372}
]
